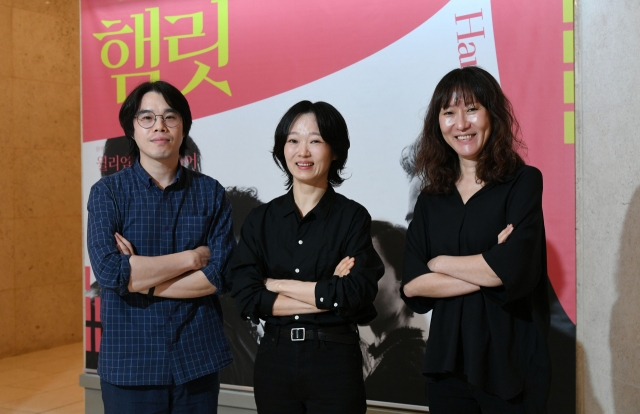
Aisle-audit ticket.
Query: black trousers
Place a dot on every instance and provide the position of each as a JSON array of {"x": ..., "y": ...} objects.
[
  {"x": 451, "y": 395},
  {"x": 312, "y": 376}
]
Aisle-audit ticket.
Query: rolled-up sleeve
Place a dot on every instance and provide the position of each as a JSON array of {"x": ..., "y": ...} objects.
[
  {"x": 416, "y": 257},
  {"x": 346, "y": 295},
  {"x": 247, "y": 274},
  {"x": 111, "y": 268},
  {"x": 221, "y": 243},
  {"x": 517, "y": 261}
]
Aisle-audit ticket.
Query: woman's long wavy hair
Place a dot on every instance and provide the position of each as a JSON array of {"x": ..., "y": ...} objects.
[{"x": 437, "y": 164}]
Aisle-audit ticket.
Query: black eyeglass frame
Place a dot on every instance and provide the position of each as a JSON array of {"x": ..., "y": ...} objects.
[{"x": 155, "y": 118}]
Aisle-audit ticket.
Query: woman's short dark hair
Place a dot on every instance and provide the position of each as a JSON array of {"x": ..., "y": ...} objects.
[
  {"x": 174, "y": 98},
  {"x": 333, "y": 130},
  {"x": 437, "y": 164}
]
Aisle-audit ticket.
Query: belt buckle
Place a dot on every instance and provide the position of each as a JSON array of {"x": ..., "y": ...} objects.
[{"x": 296, "y": 335}]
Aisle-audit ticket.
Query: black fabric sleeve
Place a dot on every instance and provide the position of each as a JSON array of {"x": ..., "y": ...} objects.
[
  {"x": 346, "y": 295},
  {"x": 247, "y": 274},
  {"x": 517, "y": 261},
  {"x": 416, "y": 257}
]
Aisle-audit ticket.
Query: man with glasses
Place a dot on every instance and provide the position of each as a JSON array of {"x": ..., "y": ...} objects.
[{"x": 160, "y": 239}]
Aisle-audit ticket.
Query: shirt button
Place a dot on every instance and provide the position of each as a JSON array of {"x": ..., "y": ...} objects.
[
  {"x": 170, "y": 318},
  {"x": 299, "y": 241},
  {"x": 296, "y": 317},
  {"x": 321, "y": 299},
  {"x": 335, "y": 305},
  {"x": 170, "y": 348},
  {"x": 297, "y": 270},
  {"x": 248, "y": 317},
  {"x": 166, "y": 227}
]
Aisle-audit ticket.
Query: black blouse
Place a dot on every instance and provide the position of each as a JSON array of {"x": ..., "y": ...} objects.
[
  {"x": 495, "y": 337},
  {"x": 278, "y": 243}
]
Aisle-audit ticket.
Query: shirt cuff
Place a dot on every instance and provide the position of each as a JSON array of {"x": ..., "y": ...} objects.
[
  {"x": 125, "y": 272},
  {"x": 213, "y": 276},
  {"x": 325, "y": 294},
  {"x": 265, "y": 307}
]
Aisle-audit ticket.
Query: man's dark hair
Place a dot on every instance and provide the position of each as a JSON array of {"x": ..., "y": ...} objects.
[
  {"x": 437, "y": 164},
  {"x": 174, "y": 98},
  {"x": 333, "y": 130}
]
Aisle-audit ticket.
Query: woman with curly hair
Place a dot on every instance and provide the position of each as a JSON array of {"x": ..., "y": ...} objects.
[{"x": 476, "y": 254}]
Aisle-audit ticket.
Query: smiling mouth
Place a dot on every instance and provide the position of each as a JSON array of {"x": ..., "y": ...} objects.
[
  {"x": 464, "y": 137},
  {"x": 304, "y": 164}
]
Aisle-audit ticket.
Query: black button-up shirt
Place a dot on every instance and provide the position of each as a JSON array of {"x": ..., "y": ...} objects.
[{"x": 278, "y": 243}]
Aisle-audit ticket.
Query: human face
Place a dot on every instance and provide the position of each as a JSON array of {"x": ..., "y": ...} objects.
[
  {"x": 465, "y": 127},
  {"x": 308, "y": 156},
  {"x": 158, "y": 143}
]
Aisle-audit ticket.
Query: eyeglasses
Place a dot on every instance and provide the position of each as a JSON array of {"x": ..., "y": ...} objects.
[{"x": 148, "y": 119}]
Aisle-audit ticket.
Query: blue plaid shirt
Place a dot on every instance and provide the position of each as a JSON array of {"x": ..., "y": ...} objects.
[{"x": 158, "y": 341}]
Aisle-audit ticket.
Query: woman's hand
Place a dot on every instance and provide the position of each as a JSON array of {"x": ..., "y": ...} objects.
[
  {"x": 270, "y": 284},
  {"x": 504, "y": 234},
  {"x": 344, "y": 267},
  {"x": 434, "y": 263},
  {"x": 124, "y": 246}
]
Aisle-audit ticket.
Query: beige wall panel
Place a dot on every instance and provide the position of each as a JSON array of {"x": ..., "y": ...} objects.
[
  {"x": 7, "y": 253},
  {"x": 49, "y": 315},
  {"x": 7, "y": 180},
  {"x": 7, "y": 323},
  {"x": 49, "y": 114},
  {"x": 40, "y": 212},
  {"x": 62, "y": 8},
  {"x": 49, "y": 252},
  {"x": 608, "y": 206},
  {"x": 49, "y": 185},
  {"x": 45, "y": 47},
  {"x": 5, "y": 40}
]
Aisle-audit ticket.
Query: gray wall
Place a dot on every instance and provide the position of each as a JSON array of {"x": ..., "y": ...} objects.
[{"x": 608, "y": 205}]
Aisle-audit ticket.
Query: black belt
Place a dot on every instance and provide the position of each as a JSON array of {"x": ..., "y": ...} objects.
[{"x": 344, "y": 334}]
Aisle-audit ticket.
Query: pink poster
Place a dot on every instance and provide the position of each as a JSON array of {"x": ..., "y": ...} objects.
[{"x": 242, "y": 63}]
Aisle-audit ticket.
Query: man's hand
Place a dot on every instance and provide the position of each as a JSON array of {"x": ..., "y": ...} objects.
[
  {"x": 201, "y": 257},
  {"x": 504, "y": 234},
  {"x": 200, "y": 254},
  {"x": 124, "y": 246},
  {"x": 345, "y": 266}
]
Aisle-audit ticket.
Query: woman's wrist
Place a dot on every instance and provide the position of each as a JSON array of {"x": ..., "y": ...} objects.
[{"x": 435, "y": 265}]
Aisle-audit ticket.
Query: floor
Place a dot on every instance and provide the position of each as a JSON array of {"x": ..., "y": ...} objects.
[{"x": 43, "y": 382}]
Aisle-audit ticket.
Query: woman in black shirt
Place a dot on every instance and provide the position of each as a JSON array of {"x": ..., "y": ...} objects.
[
  {"x": 305, "y": 264},
  {"x": 476, "y": 254}
]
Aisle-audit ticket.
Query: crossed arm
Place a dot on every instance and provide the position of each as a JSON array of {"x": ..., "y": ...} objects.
[
  {"x": 456, "y": 275},
  {"x": 176, "y": 275},
  {"x": 297, "y": 297}
]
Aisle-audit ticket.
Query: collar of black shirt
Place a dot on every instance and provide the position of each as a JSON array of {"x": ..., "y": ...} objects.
[{"x": 320, "y": 211}]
